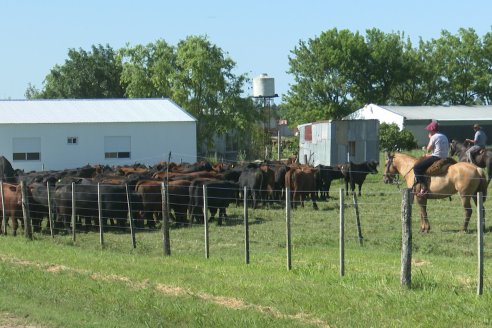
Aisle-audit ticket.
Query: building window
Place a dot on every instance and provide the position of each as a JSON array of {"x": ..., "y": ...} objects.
[
  {"x": 351, "y": 148},
  {"x": 26, "y": 149},
  {"x": 72, "y": 140},
  {"x": 120, "y": 154},
  {"x": 117, "y": 147},
  {"x": 26, "y": 156}
]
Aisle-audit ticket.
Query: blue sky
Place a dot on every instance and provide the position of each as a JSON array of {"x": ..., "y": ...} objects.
[{"x": 258, "y": 35}]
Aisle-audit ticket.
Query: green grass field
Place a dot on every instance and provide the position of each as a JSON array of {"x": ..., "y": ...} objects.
[{"x": 57, "y": 283}]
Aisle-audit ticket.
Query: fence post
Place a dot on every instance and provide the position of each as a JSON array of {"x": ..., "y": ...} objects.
[
  {"x": 480, "y": 227},
  {"x": 287, "y": 223},
  {"x": 4, "y": 217},
  {"x": 357, "y": 219},
  {"x": 130, "y": 216},
  {"x": 73, "y": 212},
  {"x": 205, "y": 220},
  {"x": 99, "y": 214},
  {"x": 406, "y": 238},
  {"x": 246, "y": 225},
  {"x": 50, "y": 210},
  {"x": 25, "y": 211},
  {"x": 278, "y": 143},
  {"x": 342, "y": 232},
  {"x": 165, "y": 220}
]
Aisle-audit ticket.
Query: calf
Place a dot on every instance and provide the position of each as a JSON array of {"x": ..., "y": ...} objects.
[{"x": 356, "y": 173}]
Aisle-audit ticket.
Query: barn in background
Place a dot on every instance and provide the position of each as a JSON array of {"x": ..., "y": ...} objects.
[
  {"x": 40, "y": 135},
  {"x": 336, "y": 142},
  {"x": 455, "y": 121}
]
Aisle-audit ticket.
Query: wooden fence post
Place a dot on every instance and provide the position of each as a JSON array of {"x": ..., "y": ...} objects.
[
  {"x": 406, "y": 245},
  {"x": 25, "y": 211},
  {"x": 480, "y": 228},
  {"x": 288, "y": 231},
  {"x": 357, "y": 219},
  {"x": 74, "y": 212},
  {"x": 246, "y": 225},
  {"x": 130, "y": 216},
  {"x": 50, "y": 210},
  {"x": 4, "y": 217},
  {"x": 205, "y": 220},
  {"x": 165, "y": 220},
  {"x": 342, "y": 232}
]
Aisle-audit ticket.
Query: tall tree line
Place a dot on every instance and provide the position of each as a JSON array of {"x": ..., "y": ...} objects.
[
  {"x": 339, "y": 71},
  {"x": 334, "y": 74},
  {"x": 196, "y": 74}
]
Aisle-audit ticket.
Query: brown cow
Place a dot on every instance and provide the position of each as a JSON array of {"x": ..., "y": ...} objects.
[
  {"x": 151, "y": 193},
  {"x": 302, "y": 182},
  {"x": 13, "y": 201}
]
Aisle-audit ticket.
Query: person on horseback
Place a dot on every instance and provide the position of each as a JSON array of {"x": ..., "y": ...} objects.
[
  {"x": 478, "y": 142},
  {"x": 439, "y": 147}
]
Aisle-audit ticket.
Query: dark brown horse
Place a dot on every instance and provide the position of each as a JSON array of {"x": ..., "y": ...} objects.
[
  {"x": 483, "y": 159},
  {"x": 463, "y": 178}
]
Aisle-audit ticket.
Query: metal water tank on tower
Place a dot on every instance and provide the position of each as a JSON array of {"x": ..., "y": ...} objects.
[{"x": 264, "y": 86}]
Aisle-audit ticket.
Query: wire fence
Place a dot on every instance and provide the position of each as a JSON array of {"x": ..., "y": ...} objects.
[{"x": 162, "y": 208}]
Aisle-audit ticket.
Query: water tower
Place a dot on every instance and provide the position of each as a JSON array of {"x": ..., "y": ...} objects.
[{"x": 264, "y": 92}]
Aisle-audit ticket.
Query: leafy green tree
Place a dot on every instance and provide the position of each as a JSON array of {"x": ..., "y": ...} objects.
[
  {"x": 321, "y": 68},
  {"x": 379, "y": 68},
  {"x": 391, "y": 138},
  {"x": 204, "y": 84},
  {"x": 461, "y": 66},
  {"x": 85, "y": 74},
  {"x": 198, "y": 76},
  {"x": 148, "y": 71}
]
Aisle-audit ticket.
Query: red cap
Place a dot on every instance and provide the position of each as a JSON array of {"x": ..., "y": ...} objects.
[{"x": 432, "y": 126}]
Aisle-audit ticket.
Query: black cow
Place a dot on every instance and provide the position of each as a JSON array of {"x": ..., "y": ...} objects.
[
  {"x": 219, "y": 195},
  {"x": 255, "y": 181},
  {"x": 279, "y": 186},
  {"x": 113, "y": 203},
  {"x": 325, "y": 176},
  {"x": 7, "y": 172},
  {"x": 356, "y": 173},
  {"x": 38, "y": 203}
]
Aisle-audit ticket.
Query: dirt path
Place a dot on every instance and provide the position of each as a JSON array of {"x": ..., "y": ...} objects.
[{"x": 229, "y": 302}]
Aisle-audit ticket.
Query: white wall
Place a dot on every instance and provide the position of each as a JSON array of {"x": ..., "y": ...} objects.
[
  {"x": 374, "y": 112},
  {"x": 150, "y": 143}
]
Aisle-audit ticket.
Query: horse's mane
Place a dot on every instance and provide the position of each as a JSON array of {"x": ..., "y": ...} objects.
[{"x": 406, "y": 156}]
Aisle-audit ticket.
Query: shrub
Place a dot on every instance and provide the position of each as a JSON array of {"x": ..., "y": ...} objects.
[{"x": 391, "y": 138}]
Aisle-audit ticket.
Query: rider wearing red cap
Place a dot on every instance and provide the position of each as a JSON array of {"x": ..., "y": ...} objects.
[{"x": 439, "y": 146}]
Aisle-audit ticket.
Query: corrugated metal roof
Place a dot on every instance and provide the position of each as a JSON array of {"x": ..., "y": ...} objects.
[
  {"x": 442, "y": 113},
  {"x": 91, "y": 111}
]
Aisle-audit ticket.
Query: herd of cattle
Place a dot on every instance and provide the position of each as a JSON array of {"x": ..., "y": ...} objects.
[{"x": 109, "y": 190}]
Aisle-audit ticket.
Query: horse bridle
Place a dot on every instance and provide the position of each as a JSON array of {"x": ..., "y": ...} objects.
[{"x": 391, "y": 177}]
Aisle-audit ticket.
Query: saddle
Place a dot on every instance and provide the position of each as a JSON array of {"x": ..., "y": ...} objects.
[{"x": 440, "y": 167}]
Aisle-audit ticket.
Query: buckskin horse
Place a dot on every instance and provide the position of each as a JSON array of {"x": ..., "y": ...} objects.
[{"x": 463, "y": 178}]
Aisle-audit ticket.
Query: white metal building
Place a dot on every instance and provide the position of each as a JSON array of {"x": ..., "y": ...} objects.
[
  {"x": 455, "y": 121},
  {"x": 57, "y": 134}
]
